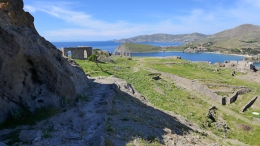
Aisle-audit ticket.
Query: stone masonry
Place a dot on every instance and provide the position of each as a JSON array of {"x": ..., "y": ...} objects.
[{"x": 81, "y": 52}]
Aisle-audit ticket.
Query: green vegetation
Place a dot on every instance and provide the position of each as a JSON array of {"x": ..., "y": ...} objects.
[
  {"x": 141, "y": 47},
  {"x": 151, "y": 141},
  {"x": 165, "y": 38},
  {"x": 244, "y": 39},
  {"x": 167, "y": 96},
  {"x": 12, "y": 136},
  {"x": 133, "y": 47},
  {"x": 25, "y": 117},
  {"x": 249, "y": 41}
]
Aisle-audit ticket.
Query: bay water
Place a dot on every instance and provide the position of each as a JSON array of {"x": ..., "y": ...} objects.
[{"x": 110, "y": 46}]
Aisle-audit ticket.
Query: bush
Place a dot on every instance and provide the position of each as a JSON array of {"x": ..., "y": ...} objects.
[{"x": 92, "y": 57}]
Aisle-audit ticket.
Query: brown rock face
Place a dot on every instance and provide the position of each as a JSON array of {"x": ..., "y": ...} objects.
[{"x": 33, "y": 72}]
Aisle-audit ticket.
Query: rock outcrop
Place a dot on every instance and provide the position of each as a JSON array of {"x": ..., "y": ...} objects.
[{"x": 33, "y": 73}]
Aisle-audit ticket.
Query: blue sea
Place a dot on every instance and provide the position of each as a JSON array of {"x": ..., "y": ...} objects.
[{"x": 111, "y": 45}]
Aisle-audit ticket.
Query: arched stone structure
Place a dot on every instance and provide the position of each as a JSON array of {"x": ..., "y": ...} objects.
[{"x": 81, "y": 52}]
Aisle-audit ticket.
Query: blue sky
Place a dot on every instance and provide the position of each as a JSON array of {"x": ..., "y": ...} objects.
[{"x": 96, "y": 20}]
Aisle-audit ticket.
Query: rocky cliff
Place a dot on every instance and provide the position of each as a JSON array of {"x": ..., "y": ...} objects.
[{"x": 33, "y": 73}]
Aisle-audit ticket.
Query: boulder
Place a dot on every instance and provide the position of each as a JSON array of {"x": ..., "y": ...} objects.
[{"x": 33, "y": 73}]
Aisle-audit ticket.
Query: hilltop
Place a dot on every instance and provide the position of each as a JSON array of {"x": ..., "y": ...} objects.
[
  {"x": 243, "y": 36},
  {"x": 162, "y": 37}
]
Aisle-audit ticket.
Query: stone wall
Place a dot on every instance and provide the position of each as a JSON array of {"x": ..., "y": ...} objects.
[
  {"x": 240, "y": 65},
  {"x": 77, "y": 52},
  {"x": 193, "y": 85},
  {"x": 123, "y": 53},
  {"x": 234, "y": 97},
  {"x": 249, "y": 104}
]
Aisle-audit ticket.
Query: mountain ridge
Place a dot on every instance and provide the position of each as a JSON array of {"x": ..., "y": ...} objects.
[
  {"x": 164, "y": 37},
  {"x": 242, "y": 36}
]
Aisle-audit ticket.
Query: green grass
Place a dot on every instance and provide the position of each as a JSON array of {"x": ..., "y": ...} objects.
[
  {"x": 25, "y": 117},
  {"x": 165, "y": 95},
  {"x": 205, "y": 73},
  {"x": 152, "y": 60},
  {"x": 151, "y": 141},
  {"x": 141, "y": 47},
  {"x": 133, "y": 47}
]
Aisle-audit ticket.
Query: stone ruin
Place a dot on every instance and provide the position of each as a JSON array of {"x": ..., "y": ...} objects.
[
  {"x": 212, "y": 114},
  {"x": 211, "y": 120},
  {"x": 249, "y": 104},
  {"x": 238, "y": 65},
  {"x": 123, "y": 53},
  {"x": 80, "y": 52}
]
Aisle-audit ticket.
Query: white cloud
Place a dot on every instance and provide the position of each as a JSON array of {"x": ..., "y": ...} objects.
[
  {"x": 200, "y": 20},
  {"x": 29, "y": 9}
]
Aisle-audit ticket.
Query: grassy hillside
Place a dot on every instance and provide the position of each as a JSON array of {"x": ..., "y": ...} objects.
[
  {"x": 243, "y": 36},
  {"x": 165, "y": 95},
  {"x": 243, "y": 39},
  {"x": 133, "y": 47},
  {"x": 137, "y": 48},
  {"x": 165, "y": 38}
]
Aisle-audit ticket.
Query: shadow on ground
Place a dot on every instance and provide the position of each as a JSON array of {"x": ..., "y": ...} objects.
[{"x": 132, "y": 121}]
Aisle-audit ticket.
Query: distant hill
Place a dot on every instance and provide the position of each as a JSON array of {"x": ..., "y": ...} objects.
[
  {"x": 243, "y": 36},
  {"x": 243, "y": 39},
  {"x": 126, "y": 47},
  {"x": 134, "y": 47},
  {"x": 165, "y": 38}
]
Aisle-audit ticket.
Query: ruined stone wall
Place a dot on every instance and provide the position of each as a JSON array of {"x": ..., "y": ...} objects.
[
  {"x": 239, "y": 65},
  {"x": 233, "y": 98},
  {"x": 77, "y": 52},
  {"x": 123, "y": 53},
  {"x": 192, "y": 85},
  {"x": 249, "y": 104}
]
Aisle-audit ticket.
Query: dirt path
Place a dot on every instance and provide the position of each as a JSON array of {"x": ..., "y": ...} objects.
[
  {"x": 201, "y": 90},
  {"x": 82, "y": 124},
  {"x": 138, "y": 66}
]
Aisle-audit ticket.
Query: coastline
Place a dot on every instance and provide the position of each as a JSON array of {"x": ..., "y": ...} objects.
[
  {"x": 229, "y": 54},
  {"x": 197, "y": 53}
]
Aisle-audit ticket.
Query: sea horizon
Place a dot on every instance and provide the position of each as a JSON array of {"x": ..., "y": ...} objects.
[{"x": 110, "y": 46}]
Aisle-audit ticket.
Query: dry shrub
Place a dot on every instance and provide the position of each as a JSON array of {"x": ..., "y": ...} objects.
[{"x": 245, "y": 127}]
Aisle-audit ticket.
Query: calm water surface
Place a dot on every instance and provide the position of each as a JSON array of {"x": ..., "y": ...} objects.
[
  {"x": 209, "y": 57},
  {"x": 110, "y": 46}
]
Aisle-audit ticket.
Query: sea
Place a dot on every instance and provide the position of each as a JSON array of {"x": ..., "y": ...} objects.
[{"x": 110, "y": 46}]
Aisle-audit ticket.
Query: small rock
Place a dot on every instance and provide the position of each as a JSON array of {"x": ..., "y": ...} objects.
[
  {"x": 30, "y": 135},
  {"x": 96, "y": 141},
  {"x": 56, "y": 127},
  {"x": 73, "y": 136},
  {"x": 76, "y": 125}
]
